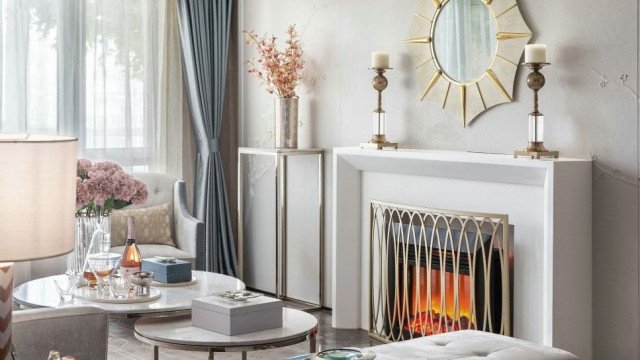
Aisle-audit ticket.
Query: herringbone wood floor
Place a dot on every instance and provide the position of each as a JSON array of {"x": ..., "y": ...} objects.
[{"x": 124, "y": 346}]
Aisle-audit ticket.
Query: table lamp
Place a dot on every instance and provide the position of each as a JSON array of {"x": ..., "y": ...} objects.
[{"x": 37, "y": 207}]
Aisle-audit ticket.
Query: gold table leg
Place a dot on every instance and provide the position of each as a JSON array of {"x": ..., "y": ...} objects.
[{"x": 312, "y": 343}]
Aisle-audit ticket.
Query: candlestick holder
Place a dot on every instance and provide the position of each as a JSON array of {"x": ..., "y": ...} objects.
[
  {"x": 536, "y": 149},
  {"x": 379, "y": 139}
]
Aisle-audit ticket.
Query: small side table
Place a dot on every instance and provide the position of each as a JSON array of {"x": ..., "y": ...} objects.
[
  {"x": 176, "y": 332},
  {"x": 280, "y": 157}
]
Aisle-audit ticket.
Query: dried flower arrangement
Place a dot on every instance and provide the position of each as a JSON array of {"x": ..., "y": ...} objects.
[{"x": 281, "y": 71}]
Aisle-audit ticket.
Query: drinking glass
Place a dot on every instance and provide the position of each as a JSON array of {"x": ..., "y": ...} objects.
[
  {"x": 66, "y": 286},
  {"x": 119, "y": 285},
  {"x": 102, "y": 265}
]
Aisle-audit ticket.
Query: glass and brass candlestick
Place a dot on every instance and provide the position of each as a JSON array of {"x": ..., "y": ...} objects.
[
  {"x": 536, "y": 149},
  {"x": 379, "y": 139}
]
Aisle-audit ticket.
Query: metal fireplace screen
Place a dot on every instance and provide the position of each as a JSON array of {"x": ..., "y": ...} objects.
[{"x": 435, "y": 271}]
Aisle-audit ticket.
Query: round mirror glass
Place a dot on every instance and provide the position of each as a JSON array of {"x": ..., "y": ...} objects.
[{"x": 464, "y": 39}]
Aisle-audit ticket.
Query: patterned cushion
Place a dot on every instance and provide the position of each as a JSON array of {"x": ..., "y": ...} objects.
[{"x": 153, "y": 225}]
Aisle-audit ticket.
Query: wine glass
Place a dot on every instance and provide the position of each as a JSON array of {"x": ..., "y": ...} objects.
[
  {"x": 102, "y": 265},
  {"x": 119, "y": 285},
  {"x": 66, "y": 286}
]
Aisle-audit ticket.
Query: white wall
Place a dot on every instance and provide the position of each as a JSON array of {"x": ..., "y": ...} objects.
[{"x": 588, "y": 40}]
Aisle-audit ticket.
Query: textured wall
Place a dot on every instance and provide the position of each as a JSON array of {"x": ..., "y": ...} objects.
[{"x": 590, "y": 111}]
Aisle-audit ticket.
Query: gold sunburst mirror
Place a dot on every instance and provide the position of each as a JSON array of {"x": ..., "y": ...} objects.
[{"x": 466, "y": 52}]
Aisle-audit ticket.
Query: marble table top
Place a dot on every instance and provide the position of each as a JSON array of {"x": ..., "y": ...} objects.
[
  {"x": 42, "y": 293},
  {"x": 178, "y": 330}
]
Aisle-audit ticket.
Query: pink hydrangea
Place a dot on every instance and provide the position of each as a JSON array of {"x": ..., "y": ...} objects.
[
  {"x": 84, "y": 166},
  {"x": 141, "y": 194},
  {"x": 104, "y": 186},
  {"x": 82, "y": 194}
]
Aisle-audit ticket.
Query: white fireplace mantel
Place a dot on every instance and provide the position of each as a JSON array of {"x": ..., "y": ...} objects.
[{"x": 548, "y": 202}]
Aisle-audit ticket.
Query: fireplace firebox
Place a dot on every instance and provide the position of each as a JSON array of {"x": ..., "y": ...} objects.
[{"x": 434, "y": 271}]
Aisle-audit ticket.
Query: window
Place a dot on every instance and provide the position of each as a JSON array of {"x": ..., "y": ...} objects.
[{"x": 88, "y": 68}]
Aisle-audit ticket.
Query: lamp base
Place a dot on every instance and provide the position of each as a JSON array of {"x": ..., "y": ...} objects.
[
  {"x": 6, "y": 304},
  {"x": 536, "y": 150},
  {"x": 379, "y": 142}
]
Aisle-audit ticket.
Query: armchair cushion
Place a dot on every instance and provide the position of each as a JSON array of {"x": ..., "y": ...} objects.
[
  {"x": 81, "y": 332},
  {"x": 153, "y": 225}
]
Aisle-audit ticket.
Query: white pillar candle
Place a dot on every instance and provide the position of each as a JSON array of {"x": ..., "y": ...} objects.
[
  {"x": 379, "y": 60},
  {"x": 535, "y": 53}
]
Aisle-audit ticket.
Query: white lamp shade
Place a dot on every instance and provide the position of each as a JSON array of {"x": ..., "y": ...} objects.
[{"x": 37, "y": 196}]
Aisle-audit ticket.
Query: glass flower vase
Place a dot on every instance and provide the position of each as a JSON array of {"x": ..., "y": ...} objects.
[
  {"x": 85, "y": 226},
  {"x": 100, "y": 244}
]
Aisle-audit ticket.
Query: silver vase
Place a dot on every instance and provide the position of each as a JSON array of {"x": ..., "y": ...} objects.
[{"x": 287, "y": 123}]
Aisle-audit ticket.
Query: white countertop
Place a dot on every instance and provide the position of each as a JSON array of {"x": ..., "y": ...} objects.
[
  {"x": 179, "y": 331},
  {"x": 42, "y": 293}
]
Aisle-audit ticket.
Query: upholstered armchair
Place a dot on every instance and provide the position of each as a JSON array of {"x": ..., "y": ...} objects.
[
  {"x": 81, "y": 332},
  {"x": 187, "y": 231}
]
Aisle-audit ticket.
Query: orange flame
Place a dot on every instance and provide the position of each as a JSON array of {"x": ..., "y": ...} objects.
[{"x": 442, "y": 313}]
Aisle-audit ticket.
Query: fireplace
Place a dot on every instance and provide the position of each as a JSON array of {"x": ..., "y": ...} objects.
[{"x": 436, "y": 271}]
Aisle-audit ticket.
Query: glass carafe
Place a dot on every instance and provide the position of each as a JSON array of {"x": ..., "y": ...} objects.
[{"x": 100, "y": 244}]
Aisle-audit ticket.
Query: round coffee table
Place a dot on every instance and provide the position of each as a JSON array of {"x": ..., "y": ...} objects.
[
  {"x": 42, "y": 293},
  {"x": 176, "y": 332}
]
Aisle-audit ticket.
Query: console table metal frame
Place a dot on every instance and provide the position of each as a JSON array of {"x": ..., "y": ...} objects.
[{"x": 280, "y": 157}]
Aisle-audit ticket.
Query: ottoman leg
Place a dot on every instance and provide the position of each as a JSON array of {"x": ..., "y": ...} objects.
[
  {"x": 156, "y": 353},
  {"x": 244, "y": 355},
  {"x": 211, "y": 354}
]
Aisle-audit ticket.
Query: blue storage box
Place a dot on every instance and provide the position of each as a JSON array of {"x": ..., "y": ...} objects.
[{"x": 175, "y": 271}]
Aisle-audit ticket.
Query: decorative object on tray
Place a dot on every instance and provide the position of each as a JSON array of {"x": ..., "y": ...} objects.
[
  {"x": 90, "y": 294},
  {"x": 168, "y": 270},
  {"x": 101, "y": 187},
  {"x": 536, "y": 59},
  {"x": 102, "y": 265},
  {"x": 131, "y": 258},
  {"x": 66, "y": 286},
  {"x": 142, "y": 280},
  {"x": 120, "y": 285},
  {"x": 236, "y": 317},
  {"x": 280, "y": 72},
  {"x": 466, "y": 53},
  {"x": 54, "y": 355},
  {"x": 379, "y": 64},
  {"x": 238, "y": 295}
]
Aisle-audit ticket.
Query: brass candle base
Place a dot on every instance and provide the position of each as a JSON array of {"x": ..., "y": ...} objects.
[
  {"x": 379, "y": 142},
  {"x": 536, "y": 150}
]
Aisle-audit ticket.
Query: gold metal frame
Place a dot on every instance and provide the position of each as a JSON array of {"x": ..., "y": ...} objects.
[
  {"x": 391, "y": 309},
  {"x": 493, "y": 87},
  {"x": 280, "y": 157}
]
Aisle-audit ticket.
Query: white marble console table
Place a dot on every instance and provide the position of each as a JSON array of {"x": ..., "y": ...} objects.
[{"x": 549, "y": 202}]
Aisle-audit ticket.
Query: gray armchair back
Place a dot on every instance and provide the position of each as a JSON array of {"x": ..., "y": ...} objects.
[
  {"x": 81, "y": 332},
  {"x": 187, "y": 230}
]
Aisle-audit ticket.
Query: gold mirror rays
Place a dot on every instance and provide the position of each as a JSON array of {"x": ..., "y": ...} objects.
[{"x": 495, "y": 86}]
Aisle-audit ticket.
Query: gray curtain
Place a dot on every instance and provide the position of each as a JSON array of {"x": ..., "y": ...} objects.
[{"x": 204, "y": 33}]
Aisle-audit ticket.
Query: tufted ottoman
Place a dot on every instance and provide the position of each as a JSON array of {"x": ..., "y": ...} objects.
[{"x": 469, "y": 345}]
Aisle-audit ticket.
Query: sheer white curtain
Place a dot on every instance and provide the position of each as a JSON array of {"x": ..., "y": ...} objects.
[
  {"x": 106, "y": 71},
  {"x": 93, "y": 69}
]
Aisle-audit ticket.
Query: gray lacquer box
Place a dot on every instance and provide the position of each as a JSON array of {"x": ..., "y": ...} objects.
[{"x": 236, "y": 318}]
